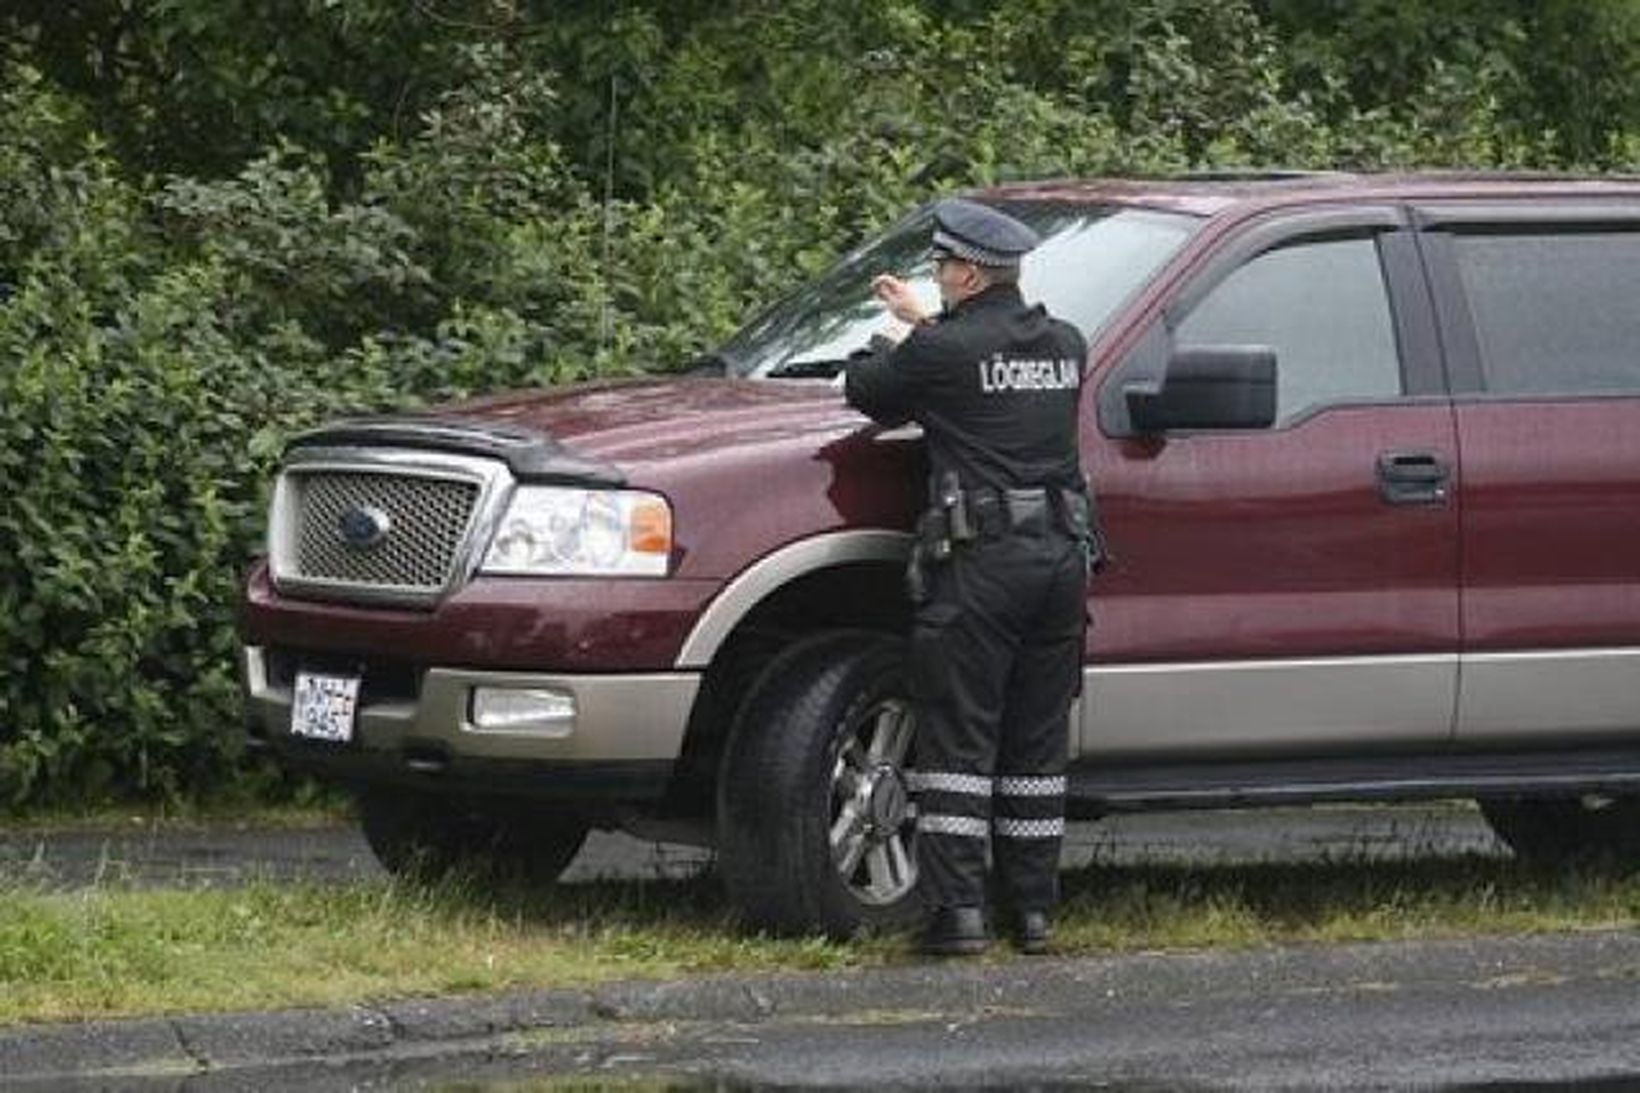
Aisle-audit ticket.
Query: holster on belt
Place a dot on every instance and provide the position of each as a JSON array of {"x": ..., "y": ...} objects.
[
  {"x": 1082, "y": 524},
  {"x": 931, "y": 547},
  {"x": 953, "y": 502}
]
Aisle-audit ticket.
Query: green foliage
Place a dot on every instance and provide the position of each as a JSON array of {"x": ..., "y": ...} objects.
[
  {"x": 126, "y": 520},
  {"x": 149, "y": 374},
  {"x": 222, "y": 221},
  {"x": 1540, "y": 81},
  {"x": 288, "y": 256}
]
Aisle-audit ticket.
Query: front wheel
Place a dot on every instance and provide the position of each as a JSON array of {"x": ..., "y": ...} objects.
[
  {"x": 816, "y": 829},
  {"x": 428, "y": 836},
  {"x": 1551, "y": 830}
]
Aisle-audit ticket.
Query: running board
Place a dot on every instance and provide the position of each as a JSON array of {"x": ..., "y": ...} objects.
[{"x": 1096, "y": 788}]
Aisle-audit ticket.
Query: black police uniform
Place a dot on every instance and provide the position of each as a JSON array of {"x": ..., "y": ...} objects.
[{"x": 997, "y": 643}]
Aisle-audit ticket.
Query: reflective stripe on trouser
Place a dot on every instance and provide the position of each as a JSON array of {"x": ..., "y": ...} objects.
[
  {"x": 953, "y": 807},
  {"x": 1028, "y": 822},
  {"x": 996, "y": 656}
]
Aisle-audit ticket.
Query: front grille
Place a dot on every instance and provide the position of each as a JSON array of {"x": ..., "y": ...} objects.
[{"x": 427, "y": 520}]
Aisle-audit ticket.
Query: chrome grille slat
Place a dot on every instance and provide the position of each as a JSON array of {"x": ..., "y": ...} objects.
[{"x": 429, "y": 518}]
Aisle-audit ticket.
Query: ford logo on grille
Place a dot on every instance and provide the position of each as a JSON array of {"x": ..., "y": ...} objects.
[{"x": 363, "y": 527}]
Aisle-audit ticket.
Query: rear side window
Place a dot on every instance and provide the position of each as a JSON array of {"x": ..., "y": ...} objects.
[
  {"x": 1555, "y": 313},
  {"x": 1322, "y": 306}
]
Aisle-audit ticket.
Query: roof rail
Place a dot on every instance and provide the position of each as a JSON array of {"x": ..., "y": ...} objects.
[{"x": 1251, "y": 174}]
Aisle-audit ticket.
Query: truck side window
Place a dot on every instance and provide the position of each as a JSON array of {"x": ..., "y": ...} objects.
[
  {"x": 1322, "y": 306},
  {"x": 1555, "y": 313}
]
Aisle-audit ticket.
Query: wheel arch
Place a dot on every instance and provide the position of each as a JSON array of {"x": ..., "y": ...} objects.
[{"x": 754, "y": 586}]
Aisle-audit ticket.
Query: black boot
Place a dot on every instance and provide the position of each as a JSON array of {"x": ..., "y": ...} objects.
[
  {"x": 1030, "y": 931},
  {"x": 956, "y": 931}
]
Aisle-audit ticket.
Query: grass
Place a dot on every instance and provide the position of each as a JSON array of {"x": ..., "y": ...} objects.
[
  {"x": 1252, "y": 904},
  {"x": 111, "y": 950}
]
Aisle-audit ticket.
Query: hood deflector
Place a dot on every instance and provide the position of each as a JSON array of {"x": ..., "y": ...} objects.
[{"x": 530, "y": 455}]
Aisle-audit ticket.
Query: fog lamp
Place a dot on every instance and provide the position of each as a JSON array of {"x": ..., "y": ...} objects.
[{"x": 540, "y": 711}]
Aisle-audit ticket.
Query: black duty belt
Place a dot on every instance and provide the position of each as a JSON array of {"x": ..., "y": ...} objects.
[
  {"x": 1019, "y": 512},
  {"x": 961, "y": 516}
]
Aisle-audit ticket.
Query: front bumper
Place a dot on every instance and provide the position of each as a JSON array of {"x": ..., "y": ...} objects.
[{"x": 621, "y": 742}]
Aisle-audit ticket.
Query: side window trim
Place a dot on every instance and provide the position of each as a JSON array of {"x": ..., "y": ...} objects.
[
  {"x": 1459, "y": 342},
  {"x": 1525, "y": 215},
  {"x": 1278, "y": 231},
  {"x": 1424, "y": 369}
]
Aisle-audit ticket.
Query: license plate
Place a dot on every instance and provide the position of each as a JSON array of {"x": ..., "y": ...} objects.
[{"x": 325, "y": 707}]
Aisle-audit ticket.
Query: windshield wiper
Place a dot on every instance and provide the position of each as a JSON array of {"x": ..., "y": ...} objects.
[{"x": 815, "y": 369}]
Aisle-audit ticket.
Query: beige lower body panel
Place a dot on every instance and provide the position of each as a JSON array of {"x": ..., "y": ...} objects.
[
  {"x": 1214, "y": 707},
  {"x": 617, "y": 717},
  {"x": 1559, "y": 693}
]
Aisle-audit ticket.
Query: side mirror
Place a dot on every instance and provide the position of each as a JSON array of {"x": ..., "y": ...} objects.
[{"x": 1207, "y": 387}]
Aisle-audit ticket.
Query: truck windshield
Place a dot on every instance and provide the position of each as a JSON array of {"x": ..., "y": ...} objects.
[{"x": 1091, "y": 259}]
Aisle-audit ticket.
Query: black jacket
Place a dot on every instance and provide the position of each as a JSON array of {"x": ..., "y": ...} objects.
[{"x": 994, "y": 385}]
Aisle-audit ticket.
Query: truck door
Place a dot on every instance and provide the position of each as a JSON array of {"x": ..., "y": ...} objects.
[
  {"x": 1291, "y": 589},
  {"x": 1540, "y": 310}
]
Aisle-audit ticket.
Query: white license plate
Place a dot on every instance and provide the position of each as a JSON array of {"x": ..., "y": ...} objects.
[{"x": 325, "y": 707}]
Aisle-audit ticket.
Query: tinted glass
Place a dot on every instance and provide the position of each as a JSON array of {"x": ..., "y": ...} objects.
[
  {"x": 1322, "y": 307},
  {"x": 1091, "y": 259},
  {"x": 1555, "y": 313}
]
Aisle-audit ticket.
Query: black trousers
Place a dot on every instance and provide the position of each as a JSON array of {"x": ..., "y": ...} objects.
[{"x": 996, "y": 654}]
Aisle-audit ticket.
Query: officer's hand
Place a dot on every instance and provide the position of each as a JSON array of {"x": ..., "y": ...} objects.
[
  {"x": 892, "y": 334},
  {"x": 897, "y": 296}
]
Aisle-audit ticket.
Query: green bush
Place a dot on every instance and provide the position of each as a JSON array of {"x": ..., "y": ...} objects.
[
  {"x": 129, "y": 512},
  {"x": 221, "y": 222}
]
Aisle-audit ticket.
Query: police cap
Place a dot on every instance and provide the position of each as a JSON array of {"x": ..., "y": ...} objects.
[{"x": 980, "y": 234}]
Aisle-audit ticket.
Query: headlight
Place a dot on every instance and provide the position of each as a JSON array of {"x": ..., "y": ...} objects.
[{"x": 562, "y": 531}]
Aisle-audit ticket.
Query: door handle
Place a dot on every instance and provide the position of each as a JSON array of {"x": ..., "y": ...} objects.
[{"x": 1412, "y": 478}]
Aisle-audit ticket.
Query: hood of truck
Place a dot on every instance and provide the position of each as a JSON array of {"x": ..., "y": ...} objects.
[
  {"x": 747, "y": 465},
  {"x": 631, "y": 424}
]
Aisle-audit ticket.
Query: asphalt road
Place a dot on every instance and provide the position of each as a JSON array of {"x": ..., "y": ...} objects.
[
  {"x": 226, "y": 854},
  {"x": 1532, "y": 1013}
]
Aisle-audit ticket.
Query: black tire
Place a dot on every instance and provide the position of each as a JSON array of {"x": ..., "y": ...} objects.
[
  {"x": 1552, "y": 830},
  {"x": 817, "y": 754},
  {"x": 428, "y": 836}
]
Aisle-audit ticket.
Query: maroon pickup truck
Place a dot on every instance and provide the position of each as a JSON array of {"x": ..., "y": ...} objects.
[{"x": 1367, "y": 452}]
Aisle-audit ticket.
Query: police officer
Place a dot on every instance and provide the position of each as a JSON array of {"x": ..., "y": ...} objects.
[{"x": 999, "y": 573}]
